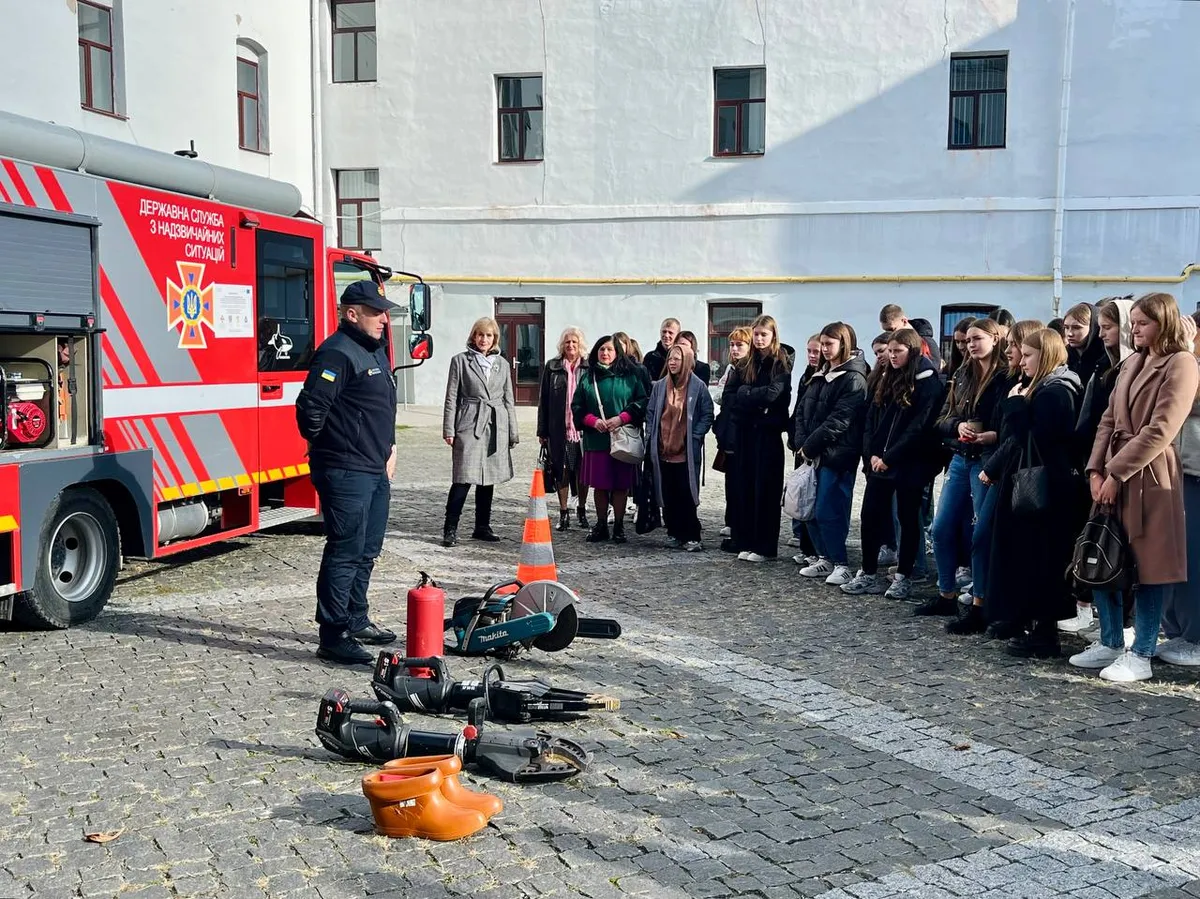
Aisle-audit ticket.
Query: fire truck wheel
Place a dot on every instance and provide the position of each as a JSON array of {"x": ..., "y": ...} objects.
[{"x": 79, "y": 553}]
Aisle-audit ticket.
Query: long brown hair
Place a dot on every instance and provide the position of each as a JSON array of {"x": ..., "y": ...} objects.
[
  {"x": 897, "y": 385},
  {"x": 1016, "y": 336},
  {"x": 1054, "y": 353},
  {"x": 847, "y": 341},
  {"x": 1162, "y": 309},
  {"x": 772, "y": 355},
  {"x": 982, "y": 373}
]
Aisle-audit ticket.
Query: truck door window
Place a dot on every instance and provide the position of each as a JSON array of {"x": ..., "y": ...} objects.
[{"x": 284, "y": 301}]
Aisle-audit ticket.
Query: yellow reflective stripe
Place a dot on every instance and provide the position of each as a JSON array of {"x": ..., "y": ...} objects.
[
  {"x": 276, "y": 474},
  {"x": 289, "y": 471},
  {"x": 242, "y": 480},
  {"x": 225, "y": 483},
  {"x": 171, "y": 493},
  {"x": 208, "y": 486},
  {"x": 7, "y": 523},
  {"x": 302, "y": 468},
  {"x": 228, "y": 482}
]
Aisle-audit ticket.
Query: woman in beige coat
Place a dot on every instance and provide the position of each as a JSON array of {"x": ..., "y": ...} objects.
[
  {"x": 479, "y": 422},
  {"x": 1134, "y": 467}
]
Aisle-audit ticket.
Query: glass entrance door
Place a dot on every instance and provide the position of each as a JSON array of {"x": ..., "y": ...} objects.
[{"x": 522, "y": 342}]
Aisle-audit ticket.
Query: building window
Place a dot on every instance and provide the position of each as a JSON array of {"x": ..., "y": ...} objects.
[
  {"x": 520, "y": 118},
  {"x": 357, "y": 192},
  {"x": 354, "y": 47},
  {"x": 96, "y": 76},
  {"x": 252, "y": 96},
  {"x": 723, "y": 318},
  {"x": 978, "y": 97},
  {"x": 740, "y": 114}
]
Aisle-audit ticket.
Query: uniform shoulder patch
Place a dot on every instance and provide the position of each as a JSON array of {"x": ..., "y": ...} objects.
[
  {"x": 373, "y": 371},
  {"x": 329, "y": 374}
]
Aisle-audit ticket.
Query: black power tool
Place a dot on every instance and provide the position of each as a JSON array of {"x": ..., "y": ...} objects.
[
  {"x": 379, "y": 734},
  {"x": 493, "y": 697}
]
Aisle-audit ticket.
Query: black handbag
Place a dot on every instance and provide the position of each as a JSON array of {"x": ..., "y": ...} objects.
[
  {"x": 1102, "y": 559},
  {"x": 648, "y": 516},
  {"x": 1031, "y": 484}
]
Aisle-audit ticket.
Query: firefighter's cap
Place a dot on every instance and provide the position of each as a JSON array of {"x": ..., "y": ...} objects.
[{"x": 367, "y": 293}]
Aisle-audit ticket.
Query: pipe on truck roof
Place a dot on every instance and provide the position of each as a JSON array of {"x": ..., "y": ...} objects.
[{"x": 43, "y": 143}]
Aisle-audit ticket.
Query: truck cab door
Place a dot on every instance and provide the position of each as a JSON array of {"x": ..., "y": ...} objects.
[{"x": 288, "y": 331}]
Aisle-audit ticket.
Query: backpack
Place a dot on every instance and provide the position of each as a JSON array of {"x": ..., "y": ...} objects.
[{"x": 1102, "y": 558}]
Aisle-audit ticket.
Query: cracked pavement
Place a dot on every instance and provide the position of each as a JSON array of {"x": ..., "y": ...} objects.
[{"x": 776, "y": 738}]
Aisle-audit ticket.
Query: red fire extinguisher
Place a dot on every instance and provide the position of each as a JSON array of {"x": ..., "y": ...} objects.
[{"x": 426, "y": 625}]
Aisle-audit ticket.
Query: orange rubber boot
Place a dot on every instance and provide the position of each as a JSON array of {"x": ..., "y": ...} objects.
[
  {"x": 452, "y": 787},
  {"x": 411, "y": 804}
]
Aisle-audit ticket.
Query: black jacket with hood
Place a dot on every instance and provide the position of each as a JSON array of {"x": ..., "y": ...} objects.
[
  {"x": 829, "y": 421},
  {"x": 960, "y": 405},
  {"x": 932, "y": 352},
  {"x": 761, "y": 405},
  {"x": 903, "y": 436},
  {"x": 1092, "y": 358}
]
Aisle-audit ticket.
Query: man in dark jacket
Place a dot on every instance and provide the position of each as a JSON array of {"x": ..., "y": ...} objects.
[
  {"x": 892, "y": 318},
  {"x": 347, "y": 413},
  {"x": 656, "y": 360}
]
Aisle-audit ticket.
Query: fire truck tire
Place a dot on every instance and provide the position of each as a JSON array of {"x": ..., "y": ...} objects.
[{"x": 79, "y": 553}]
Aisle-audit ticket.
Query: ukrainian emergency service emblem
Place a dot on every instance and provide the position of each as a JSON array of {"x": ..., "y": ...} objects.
[{"x": 189, "y": 305}]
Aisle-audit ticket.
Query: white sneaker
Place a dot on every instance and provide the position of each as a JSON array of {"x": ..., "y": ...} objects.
[
  {"x": 967, "y": 593},
  {"x": 864, "y": 584},
  {"x": 1130, "y": 634},
  {"x": 726, "y": 531},
  {"x": 962, "y": 577},
  {"x": 693, "y": 546},
  {"x": 887, "y": 556},
  {"x": 841, "y": 575},
  {"x": 804, "y": 561},
  {"x": 794, "y": 541},
  {"x": 901, "y": 588},
  {"x": 743, "y": 556},
  {"x": 1184, "y": 654},
  {"x": 819, "y": 568},
  {"x": 1128, "y": 669},
  {"x": 1096, "y": 656},
  {"x": 1091, "y": 633},
  {"x": 1168, "y": 645},
  {"x": 1082, "y": 621},
  {"x": 755, "y": 557}
]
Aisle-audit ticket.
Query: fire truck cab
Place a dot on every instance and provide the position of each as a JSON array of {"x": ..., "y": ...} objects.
[{"x": 157, "y": 320}]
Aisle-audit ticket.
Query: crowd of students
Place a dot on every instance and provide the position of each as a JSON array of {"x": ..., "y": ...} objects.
[{"x": 1031, "y": 428}]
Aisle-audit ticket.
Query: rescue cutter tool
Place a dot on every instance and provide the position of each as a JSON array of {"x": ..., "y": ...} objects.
[
  {"x": 373, "y": 731},
  {"x": 493, "y": 697},
  {"x": 540, "y": 613}
]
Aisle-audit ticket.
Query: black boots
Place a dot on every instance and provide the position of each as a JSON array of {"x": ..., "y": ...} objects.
[
  {"x": 581, "y": 516},
  {"x": 564, "y": 519},
  {"x": 485, "y": 534},
  {"x": 618, "y": 531},
  {"x": 972, "y": 622},
  {"x": 598, "y": 534},
  {"x": 939, "y": 605},
  {"x": 450, "y": 537}
]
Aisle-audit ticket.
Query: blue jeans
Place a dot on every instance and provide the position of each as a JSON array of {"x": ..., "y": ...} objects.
[
  {"x": 1147, "y": 616},
  {"x": 962, "y": 496},
  {"x": 831, "y": 526},
  {"x": 1181, "y": 612},
  {"x": 981, "y": 541},
  {"x": 355, "y": 506}
]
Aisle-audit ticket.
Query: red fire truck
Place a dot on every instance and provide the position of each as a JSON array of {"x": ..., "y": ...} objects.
[{"x": 157, "y": 319}]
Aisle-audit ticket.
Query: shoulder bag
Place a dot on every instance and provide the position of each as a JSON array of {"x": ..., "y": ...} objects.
[
  {"x": 1102, "y": 559},
  {"x": 626, "y": 443},
  {"x": 1030, "y": 484}
]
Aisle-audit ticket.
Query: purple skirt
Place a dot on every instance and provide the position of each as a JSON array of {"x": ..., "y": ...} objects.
[{"x": 602, "y": 472}]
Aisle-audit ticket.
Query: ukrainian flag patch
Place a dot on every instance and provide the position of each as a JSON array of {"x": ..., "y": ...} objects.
[{"x": 329, "y": 374}]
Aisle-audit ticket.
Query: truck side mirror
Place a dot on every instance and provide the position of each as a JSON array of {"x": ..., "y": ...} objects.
[
  {"x": 419, "y": 307},
  {"x": 420, "y": 347}
]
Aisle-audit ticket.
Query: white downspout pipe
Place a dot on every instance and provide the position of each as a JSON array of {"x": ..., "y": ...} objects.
[
  {"x": 1060, "y": 186},
  {"x": 318, "y": 79}
]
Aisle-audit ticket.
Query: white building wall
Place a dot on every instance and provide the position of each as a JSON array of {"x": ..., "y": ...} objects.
[
  {"x": 179, "y": 77},
  {"x": 856, "y": 181}
]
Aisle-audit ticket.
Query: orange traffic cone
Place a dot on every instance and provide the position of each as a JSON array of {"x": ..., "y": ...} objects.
[{"x": 537, "y": 549}]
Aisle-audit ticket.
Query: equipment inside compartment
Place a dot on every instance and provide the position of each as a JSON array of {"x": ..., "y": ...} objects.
[{"x": 43, "y": 391}]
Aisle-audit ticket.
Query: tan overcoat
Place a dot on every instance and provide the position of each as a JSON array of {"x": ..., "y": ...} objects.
[{"x": 1136, "y": 445}]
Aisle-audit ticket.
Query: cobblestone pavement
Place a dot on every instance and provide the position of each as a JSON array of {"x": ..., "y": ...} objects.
[{"x": 776, "y": 738}]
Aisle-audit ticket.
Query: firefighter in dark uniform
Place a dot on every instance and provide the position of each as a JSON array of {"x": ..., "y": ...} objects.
[{"x": 347, "y": 413}]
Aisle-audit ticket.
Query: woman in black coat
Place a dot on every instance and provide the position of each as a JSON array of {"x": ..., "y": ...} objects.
[
  {"x": 725, "y": 429},
  {"x": 556, "y": 426},
  {"x": 905, "y": 395},
  {"x": 829, "y": 432},
  {"x": 759, "y": 392},
  {"x": 1030, "y": 552}
]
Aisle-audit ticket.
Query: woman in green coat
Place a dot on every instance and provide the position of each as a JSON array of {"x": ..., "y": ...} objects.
[{"x": 610, "y": 396}]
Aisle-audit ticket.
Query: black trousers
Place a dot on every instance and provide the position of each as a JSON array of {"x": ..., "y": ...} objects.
[
  {"x": 758, "y": 483},
  {"x": 679, "y": 512},
  {"x": 458, "y": 498},
  {"x": 877, "y": 525}
]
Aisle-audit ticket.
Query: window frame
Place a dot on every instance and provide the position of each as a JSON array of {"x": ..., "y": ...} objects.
[
  {"x": 257, "y": 97},
  {"x": 335, "y": 30},
  {"x": 357, "y": 221},
  {"x": 274, "y": 268},
  {"x": 87, "y": 101},
  {"x": 975, "y": 95},
  {"x": 739, "y": 106},
  {"x": 718, "y": 341},
  {"x": 519, "y": 111}
]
